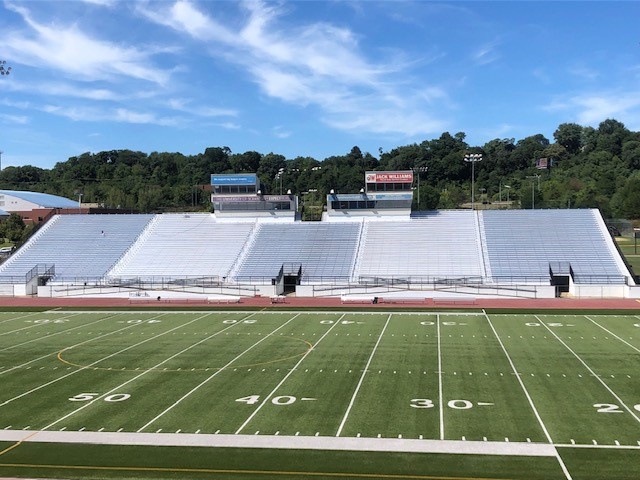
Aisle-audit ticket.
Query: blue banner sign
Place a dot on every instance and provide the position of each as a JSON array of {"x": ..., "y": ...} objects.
[{"x": 232, "y": 179}]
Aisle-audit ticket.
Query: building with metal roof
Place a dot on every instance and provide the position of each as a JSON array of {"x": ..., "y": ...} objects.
[{"x": 20, "y": 201}]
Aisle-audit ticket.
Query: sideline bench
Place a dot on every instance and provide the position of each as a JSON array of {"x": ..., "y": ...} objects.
[
  {"x": 357, "y": 299},
  {"x": 278, "y": 299},
  {"x": 166, "y": 300},
  {"x": 223, "y": 300},
  {"x": 403, "y": 300}
]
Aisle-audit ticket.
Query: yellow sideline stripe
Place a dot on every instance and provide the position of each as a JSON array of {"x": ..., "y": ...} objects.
[
  {"x": 17, "y": 444},
  {"x": 244, "y": 472},
  {"x": 187, "y": 369}
]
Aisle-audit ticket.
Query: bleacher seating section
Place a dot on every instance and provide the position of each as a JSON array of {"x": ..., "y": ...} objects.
[
  {"x": 430, "y": 246},
  {"x": 80, "y": 246},
  {"x": 325, "y": 250},
  {"x": 184, "y": 245},
  {"x": 515, "y": 246},
  {"x": 522, "y": 243}
]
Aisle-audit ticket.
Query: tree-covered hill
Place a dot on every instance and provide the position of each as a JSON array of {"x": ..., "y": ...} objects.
[{"x": 591, "y": 167}]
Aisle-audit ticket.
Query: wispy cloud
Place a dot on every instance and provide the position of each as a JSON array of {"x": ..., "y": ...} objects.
[
  {"x": 229, "y": 125},
  {"x": 280, "y": 132},
  {"x": 65, "y": 48},
  {"x": 583, "y": 72},
  {"x": 316, "y": 65},
  {"x": 486, "y": 54},
  {"x": 185, "y": 105},
  {"x": 14, "y": 119},
  {"x": 594, "y": 107},
  {"x": 92, "y": 114}
]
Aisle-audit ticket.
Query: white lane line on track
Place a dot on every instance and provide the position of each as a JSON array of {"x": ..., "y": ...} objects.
[
  {"x": 596, "y": 376},
  {"x": 197, "y": 387},
  {"x": 268, "y": 397},
  {"x": 366, "y": 368},
  {"x": 143, "y": 373},
  {"x": 529, "y": 399}
]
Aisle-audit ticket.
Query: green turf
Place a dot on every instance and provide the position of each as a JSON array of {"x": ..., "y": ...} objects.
[
  {"x": 162, "y": 462},
  {"x": 423, "y": 375}
]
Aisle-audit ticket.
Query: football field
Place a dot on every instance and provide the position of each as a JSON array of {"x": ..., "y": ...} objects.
[{"x": 275, "y": 394}]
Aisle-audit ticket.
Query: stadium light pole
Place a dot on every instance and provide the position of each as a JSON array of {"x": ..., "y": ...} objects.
[
  {"x": 4, "y": 68},
  {"x": 473, "y": 158},
  {"x": 508, "y": 187},
  {"x": 418, "y": 171}
]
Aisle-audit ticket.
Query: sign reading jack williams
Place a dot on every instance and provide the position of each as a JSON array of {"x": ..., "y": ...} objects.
[{"x": 389, "y": 177}]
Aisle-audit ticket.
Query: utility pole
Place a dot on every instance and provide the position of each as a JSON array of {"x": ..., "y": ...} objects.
[{"x": 533, "y": 196}]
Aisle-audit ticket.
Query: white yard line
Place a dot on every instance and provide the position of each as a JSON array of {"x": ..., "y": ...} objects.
[
  {"x": 268, "y": 397},
  {"x": 529, "y": 399},
  {"x": 80, "y": 369},
  {"x": 49, "y": 336},
  {"x": 363, "y": 444},
  {"x": 596, "y": 376},
  {"x": 28, "y": 327},
  {"x": 197, "y": 387},
  {"x": 440, "y": 394},
  {"x": 613, "y": 334},
  {"x": 146, "y": 371},
  {"x": 19, "y": 317},
  {"x": 364, "y": 372}
]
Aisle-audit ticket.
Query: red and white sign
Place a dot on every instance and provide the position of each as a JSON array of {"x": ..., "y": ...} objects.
[{"x": 389, "y": 177}]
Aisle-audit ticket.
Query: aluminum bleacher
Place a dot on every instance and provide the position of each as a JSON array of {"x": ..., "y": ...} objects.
[
  {"x": 325, "y": 250},
  {"x": 431, "y": 246},
  {"x": 80, "y": 246},
  {"x": 521, "y": 244},
  {"x": 184, "y": 245}
]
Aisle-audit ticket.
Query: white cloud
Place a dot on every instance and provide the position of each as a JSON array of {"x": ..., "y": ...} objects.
[
  {"x": 583, "y": 72},
  {"x": 229, "y": 125},
  {"x": 184, "y": 105},
  {"x": 279, "y": 132},
  {"x": 486, "y": 54},
  {"x": 14, "y": 119},
  {"x": 67, "y": 49},
  {"x": 92, "y": 114},
  {"x": 593, "y": 108},
  {"x": 312, "y": 65}
]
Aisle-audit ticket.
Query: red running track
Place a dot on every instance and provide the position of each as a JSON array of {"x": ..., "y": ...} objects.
[{"x": 307, "y": 302}]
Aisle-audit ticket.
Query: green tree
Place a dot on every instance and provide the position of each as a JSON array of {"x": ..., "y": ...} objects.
[
  {"x": 569, "y": 135},
  {"x": 12, "y": 227}
]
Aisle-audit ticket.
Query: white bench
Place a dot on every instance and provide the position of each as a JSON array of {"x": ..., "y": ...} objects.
[
  {"x": 357, "y": 299},
  {"x": 403, "y": 300},
  {"x": 223, "y": 300}
]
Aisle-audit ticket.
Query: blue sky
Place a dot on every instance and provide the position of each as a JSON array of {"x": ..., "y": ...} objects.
[{"x": 306, "y": 78}]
